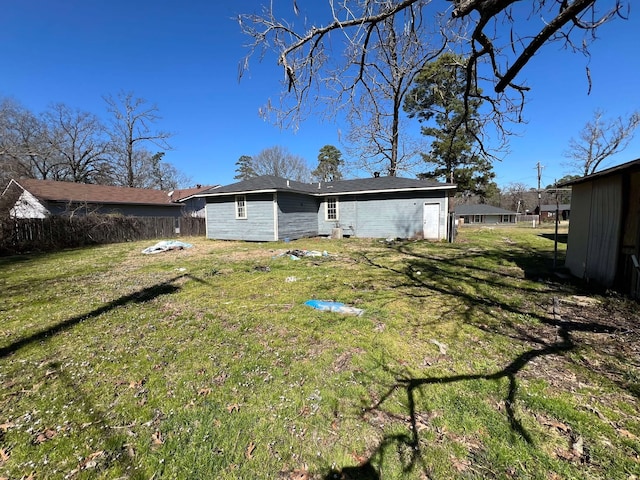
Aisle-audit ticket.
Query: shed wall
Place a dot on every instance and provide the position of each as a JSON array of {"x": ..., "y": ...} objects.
[
  {"x": 594, "y": 246},
  {"x": 578, "y": 238}
]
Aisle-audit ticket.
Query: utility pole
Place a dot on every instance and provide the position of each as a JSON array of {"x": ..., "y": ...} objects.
[{"x": 539, "y": 167}]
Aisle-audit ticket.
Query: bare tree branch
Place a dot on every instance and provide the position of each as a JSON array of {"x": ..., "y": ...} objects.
[
  {"x": 599, "y": 140},
  {"x": 495, "y": 35}
]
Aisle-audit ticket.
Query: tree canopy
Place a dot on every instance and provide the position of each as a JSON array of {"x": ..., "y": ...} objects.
[
  {"x": 337, "y": 53},
  {"x": 355, "y": 59},
  {"x": 438, "y": 101},
  {"x": 244, "y": 168},
  {"x": 278, "y": 161},
  {"x": 329, "y": 162},
  {"x": 69, "y": 144}
]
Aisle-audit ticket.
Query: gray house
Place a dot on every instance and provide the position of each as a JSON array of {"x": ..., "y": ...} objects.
[
  {"x": 604, "y": 233},
  {"x": 270, "y": 208},
  {"x": 484, "y": 215}
]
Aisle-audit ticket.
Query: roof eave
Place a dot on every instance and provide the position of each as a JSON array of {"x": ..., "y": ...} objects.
[{"x": 330, "y": 193}]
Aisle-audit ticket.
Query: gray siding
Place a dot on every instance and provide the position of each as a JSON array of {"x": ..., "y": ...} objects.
[
  {"x": 222, "y": 223},
  {"x": 297, "y": 216},
  {"x": 383, "y": 215},
  {"x": 487, "y": 219}
]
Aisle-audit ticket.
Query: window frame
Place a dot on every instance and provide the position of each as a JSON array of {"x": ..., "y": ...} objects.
[
  {"x": 328, "y": 209},
  {"x": 241, "y": 207}
]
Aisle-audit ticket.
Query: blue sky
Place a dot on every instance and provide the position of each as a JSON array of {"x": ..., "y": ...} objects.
[{"x": 184, "y": 57}]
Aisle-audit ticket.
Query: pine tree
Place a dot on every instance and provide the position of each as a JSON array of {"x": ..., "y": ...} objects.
[
  {"x": 329, "y": 161},
  {"x": 439, "y": 95},
  {"x": 244, "y": 168}
]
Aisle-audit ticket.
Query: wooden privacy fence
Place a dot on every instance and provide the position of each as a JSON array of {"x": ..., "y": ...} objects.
[{"x": 19, "y": 235}]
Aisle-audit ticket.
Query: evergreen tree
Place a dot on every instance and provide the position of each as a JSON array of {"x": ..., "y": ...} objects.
[
  {"x": 438, "y": 96},
  {"x": 244, "y": 168},
  {"x": 329, "y": 161}
]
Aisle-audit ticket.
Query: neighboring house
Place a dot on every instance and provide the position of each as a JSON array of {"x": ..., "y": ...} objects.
[
  {"x": 548, "y": 212},
  {"x": 269, "y": 208},
  {"x": 194, "y": 206},
  {"x": 604, "y": 233},
  {"x": 41, "y": 198},
  {"x": 484, "y": 215}
]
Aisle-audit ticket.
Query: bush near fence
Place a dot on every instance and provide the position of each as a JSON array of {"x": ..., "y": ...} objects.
[{"x": 20, "y": 235}]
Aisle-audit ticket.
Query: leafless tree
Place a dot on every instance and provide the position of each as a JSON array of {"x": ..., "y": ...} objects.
[
  {"x": 518, "y": 197},
  {"x": 499, "y": 37},
  {"x": 155, "y": 172},
  {"x": 24, "y": 150},
  {"x": 78, "y": 144},
  {"x": 385, "y": 70},
  {"x": 599, "y": 139},
  {"x": 278, "y": 161},
  {"x": 131, "y": 122}
]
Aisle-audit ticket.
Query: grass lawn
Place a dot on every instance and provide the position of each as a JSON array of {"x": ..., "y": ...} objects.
[{"x": 470, "y": 361}]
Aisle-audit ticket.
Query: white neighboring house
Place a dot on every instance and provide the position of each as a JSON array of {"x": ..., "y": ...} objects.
[{"x": 28, "y": 206}]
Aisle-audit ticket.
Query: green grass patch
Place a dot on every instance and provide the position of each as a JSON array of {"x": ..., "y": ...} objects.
[{"x": 471, "y": 360}]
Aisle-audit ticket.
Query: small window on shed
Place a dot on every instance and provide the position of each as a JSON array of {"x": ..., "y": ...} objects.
[
  {"x": 332, "y": 208},
  {"x": 241, "y": 206}
]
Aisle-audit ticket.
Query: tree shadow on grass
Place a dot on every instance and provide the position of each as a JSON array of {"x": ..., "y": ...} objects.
[
  {"x": 140, "y": 296},
  {"x": 444, "y": 276}
]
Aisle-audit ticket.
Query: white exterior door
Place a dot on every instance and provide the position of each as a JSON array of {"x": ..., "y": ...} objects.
[{"x": 431, "y": 221}]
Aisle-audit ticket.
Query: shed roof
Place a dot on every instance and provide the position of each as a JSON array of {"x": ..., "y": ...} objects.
[
  {"x": 270, "y": 183},
  {"x": 481, "y": 209},
  {"x": 628, "y": 167},
  {"x": 51, "y": 190}
]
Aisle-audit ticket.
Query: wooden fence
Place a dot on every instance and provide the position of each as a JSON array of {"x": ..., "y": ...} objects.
[{"x": 56, "y": 232}]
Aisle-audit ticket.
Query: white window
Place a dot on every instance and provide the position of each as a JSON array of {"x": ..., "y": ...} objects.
[
  {"x": 332, "y": 209},
  {"x": 241, "y": 206},
  {"x": 477, "y": 219}
]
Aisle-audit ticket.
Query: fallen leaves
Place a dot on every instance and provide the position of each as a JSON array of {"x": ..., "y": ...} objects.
[
  {"x": 4, "y": 455},
  {"x": 45, "y": 435},
  {"x": 551, "y": 423},
  {"x": 233, "y": 407},
  {"x": 156, "y": 439},
  {"x": 88, "y": 463},
  {"x": 297, "y": 474},
  {"x": 6, "y": 426},
  {"x": 627, "y": 434},
  {"x": 249, "y": 451}
]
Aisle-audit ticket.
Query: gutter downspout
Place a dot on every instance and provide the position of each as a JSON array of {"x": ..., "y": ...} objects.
[{"x": 275, "y": 217}]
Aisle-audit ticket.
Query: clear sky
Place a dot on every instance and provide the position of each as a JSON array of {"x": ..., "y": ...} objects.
[{"x": 184, "y": 56}]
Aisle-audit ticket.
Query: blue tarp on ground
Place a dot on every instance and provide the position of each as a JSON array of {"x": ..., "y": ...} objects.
[{"x": 337, "y": 307}]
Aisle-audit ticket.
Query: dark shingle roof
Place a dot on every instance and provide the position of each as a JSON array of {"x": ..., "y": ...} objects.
[
  {"x": 184, "y": 193},
  {"x": 81, "y": 192},
  {"x": 482, "y": 210},
  {"x": 270, "y": 183},
  {"x": 632, "y": 166}
]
